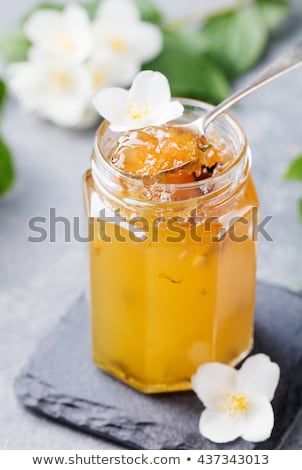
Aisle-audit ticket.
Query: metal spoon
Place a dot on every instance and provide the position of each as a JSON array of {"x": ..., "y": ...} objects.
[{"x": 288, "y": 61}]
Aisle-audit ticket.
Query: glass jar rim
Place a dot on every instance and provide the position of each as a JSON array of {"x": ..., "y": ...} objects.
[{"x": 101, "y": 160}]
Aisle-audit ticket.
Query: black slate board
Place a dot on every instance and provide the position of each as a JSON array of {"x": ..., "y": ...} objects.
[{"x": 62, "y": 383}]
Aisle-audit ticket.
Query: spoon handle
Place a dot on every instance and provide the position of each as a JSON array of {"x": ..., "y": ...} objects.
[{"x": 290, "y": 60}]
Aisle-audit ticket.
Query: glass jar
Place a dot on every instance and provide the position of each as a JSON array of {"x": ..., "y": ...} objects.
[{"x": 173, "y": 266}]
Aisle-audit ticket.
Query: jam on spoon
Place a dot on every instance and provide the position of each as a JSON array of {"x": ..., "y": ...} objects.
[{"x": 169, "y": 155}]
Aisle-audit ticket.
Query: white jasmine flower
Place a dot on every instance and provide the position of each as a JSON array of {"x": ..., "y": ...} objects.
[
  {"x": 60, "y": 93},
  {"x": 120, "y": 31},
  {"x": 237, "y": 401},
  {"x": 106, "y": 71},
  {"x": 103, "y": 70},
  {"x": 147, "y": 103},
  {"x": 65, "y": 35}
]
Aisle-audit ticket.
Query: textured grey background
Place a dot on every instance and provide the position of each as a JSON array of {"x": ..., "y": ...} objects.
[{"x": 39, "y": 281}]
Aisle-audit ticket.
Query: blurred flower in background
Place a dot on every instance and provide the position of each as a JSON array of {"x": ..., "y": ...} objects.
[
  {"x": 64, "y": 36},
  {"x": 53, "y": 89},
  {"x": 71, "y": 58},
  {"x": 119, "y": 31}
]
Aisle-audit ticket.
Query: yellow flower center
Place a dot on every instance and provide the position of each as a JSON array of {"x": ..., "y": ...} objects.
[
  {"x": 98, "y": 78},
  {"x": 138, "y": 110},
  {"x": 61, "y": 81},
  {"x": 65, "y": 44},
  {"x": 235, "y": 404},
  {"x": 117, "y": 45}
]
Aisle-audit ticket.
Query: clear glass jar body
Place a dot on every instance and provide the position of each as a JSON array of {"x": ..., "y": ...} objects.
[{"x": 173, "y": 267}]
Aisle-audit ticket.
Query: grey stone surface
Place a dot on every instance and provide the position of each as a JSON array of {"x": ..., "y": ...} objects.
[
  {"x": 39, "y": 281},
  {"x": 61, "y": 382}
]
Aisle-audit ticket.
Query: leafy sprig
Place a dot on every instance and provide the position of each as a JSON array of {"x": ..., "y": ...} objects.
[
  {"x": 7, "y": 173},
  {"x": 294, "y": 173},
  {"x": 205, "y": 60}
]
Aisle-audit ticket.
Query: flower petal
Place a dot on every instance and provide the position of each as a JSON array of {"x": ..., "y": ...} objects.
[
  {"x": 112, "y": 104},
  {"x": 127, "y": 70},
  {"x": 75, "y": 14},
  {"x": 219, "y": 427},
  {"x": 259, "y": 420},
  {"x": 147, "y": 41},
  {"x": 123, "y": 11},
  {"x": 149, "y": 86},
  {"x": 212, "y": 381},
  {"x": 169, "y": 112},
  {"x": 23, "y": 78},
  {"x": 147, "y": 103},
  {"x": 56, "y": 92},
  {"x": 63, "y": 35},
  {"x": 259, "y": 376},
  {"x": 114, "y": 71},
  {"x": 41, "y": 24},
  {"x": 64, "y": 112}
]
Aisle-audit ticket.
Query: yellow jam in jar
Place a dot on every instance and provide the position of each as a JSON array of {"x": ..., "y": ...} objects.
[{"x": 173, "y": 255}]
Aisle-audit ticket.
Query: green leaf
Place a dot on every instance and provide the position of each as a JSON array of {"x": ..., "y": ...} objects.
[
  {"x": 2, "y": 94},
  {"x": 14, "y": 47},
  {"x": 273, "y": 12},
  {"x": 236, "y": 40},
  {"x": 7, "y": 172},
  {"x": 190, "y": 71},
  {"x": 148, "y": 11},
  {"x": 300, "y": 210},
  {"x": 91, "y": 6},
  {"x": 294, "y": 171}
]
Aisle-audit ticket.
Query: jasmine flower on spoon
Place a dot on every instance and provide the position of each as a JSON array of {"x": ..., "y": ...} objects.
[{"x": 147, "y": 103}]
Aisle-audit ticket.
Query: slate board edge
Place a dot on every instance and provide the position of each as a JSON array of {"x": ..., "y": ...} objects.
[
  {"x": 37, "y": 403},
  {"x": 39, "y": 406},
  {"x": 45, "y": 403}
]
